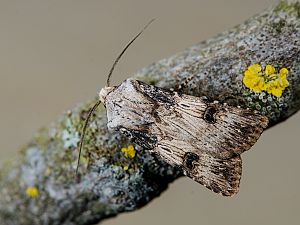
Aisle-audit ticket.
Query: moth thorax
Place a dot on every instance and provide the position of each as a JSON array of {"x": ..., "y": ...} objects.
[{"x": 104, "y": 92}]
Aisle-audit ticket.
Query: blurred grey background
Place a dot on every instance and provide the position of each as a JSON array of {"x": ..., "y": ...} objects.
[{"x": 56, "y": 53}]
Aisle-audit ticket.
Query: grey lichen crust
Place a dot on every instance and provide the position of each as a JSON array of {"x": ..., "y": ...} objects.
[{"x": 41, "y": 187}]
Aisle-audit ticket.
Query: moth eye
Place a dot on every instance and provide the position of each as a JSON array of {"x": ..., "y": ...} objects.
[
  {"x": 209, "y": 114},
  {"x": 189, "y": 159}
]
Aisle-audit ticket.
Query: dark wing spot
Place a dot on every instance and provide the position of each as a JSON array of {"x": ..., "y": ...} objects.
[
  {"x": 246, "y": 130},
  {"x": 157, "y": 94},
  {"x": 209, "y": 114},
  {"x": 166, "y": 149},
  {"x": 189, "y": 159},
  {"x": 184, "y": 105},
  {"x": 142, "y": 138}
]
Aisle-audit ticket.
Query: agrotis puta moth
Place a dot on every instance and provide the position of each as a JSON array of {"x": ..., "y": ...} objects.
[{"x": 205, "y": 139}]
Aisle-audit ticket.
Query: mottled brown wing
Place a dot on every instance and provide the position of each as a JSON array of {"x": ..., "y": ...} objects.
[
  {"x": 220, "y": 130},
  {"x": 219, "y": 175},
  {"x": 206, "y": 140}
]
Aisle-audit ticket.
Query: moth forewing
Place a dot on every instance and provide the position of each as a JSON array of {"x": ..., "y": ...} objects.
[
  {"x": 204, "y": 139},
  {"x": 219, "y": 175}
]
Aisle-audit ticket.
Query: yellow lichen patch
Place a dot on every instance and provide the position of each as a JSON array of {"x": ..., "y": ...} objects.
[
  {"x": 129, "y": 152},
  {"x": 32, "y": 192},
  {"x": 125, "y": 168},
  {"x": 267, "y": 80}
]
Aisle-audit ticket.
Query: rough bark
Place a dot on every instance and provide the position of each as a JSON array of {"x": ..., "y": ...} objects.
[{"x": 214, "y": 69}]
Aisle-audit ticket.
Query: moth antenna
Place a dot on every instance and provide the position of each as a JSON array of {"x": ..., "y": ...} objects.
[
  {"x": 91, "y": 111},
  {"x": 123, "y": 51}
]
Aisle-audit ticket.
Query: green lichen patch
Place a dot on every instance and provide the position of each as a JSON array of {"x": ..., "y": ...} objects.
[
  {"x": 278, "y": 26},
  {"x": 98, "y": 143},
  {"x": 292, "y": 8},
  {"x": 269, "y": 105},
  {"x": 6, "y": 166}
]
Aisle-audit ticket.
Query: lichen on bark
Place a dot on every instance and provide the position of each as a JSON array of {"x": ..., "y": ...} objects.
[{"x": 213, "y": 68}]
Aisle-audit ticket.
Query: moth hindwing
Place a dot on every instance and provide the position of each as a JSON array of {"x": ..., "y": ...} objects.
[{"x": 204, "y": 139}]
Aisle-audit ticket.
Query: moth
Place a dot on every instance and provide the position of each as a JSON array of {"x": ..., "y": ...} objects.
[{"x": 205, "y": 139}]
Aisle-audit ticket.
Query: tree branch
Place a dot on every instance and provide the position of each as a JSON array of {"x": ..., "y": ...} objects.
[{"x": 41, "y": 188}]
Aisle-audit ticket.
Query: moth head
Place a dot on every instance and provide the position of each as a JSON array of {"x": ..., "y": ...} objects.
[
  {"x": 104, "y": 92},
  {"x": 128, "y": 107}
]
